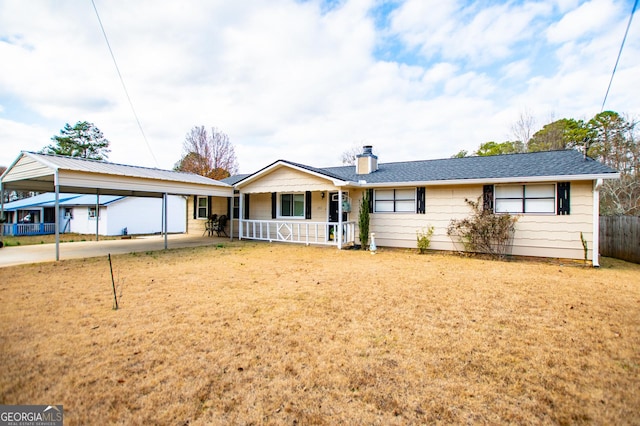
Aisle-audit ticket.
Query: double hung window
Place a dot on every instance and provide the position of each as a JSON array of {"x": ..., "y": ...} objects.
[
  {"x": 395, "y": 200},
  {"x": 539, "y": 198},
  {"x": 203, "y": 208}
]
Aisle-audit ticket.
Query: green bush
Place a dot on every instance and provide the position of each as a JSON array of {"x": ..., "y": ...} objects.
[{"x": 424, "y": 239}]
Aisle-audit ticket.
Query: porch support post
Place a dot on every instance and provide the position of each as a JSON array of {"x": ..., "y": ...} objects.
[
  {"x": 231, "y": 219},
  {"x": 164, "y": 218},
  {"x": 240, "y": 214},
  {"x": 339, "y": 230},
  {"x": 56, "y": 215},
  {"x": 97, "y": 214},
  {"x": 595, "y": 250}
]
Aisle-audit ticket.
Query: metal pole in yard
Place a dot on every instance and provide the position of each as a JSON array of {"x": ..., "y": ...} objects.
[{"x": 113, "y": 283}]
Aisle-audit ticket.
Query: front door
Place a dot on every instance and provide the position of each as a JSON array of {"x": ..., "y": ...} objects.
[{"x": 333, "y": 213}]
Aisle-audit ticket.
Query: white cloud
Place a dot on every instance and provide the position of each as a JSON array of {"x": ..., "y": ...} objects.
[
  {"x": 517, "y": 69},
  {"x": 590, "y": 17},
  {"x": 456, "y": 30},
  {"x": 289, "y": 79}
]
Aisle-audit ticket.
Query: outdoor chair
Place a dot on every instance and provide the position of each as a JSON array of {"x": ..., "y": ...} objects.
[
  {"x": 210, "y": 226},
  {"x": 220, "y": 225}
]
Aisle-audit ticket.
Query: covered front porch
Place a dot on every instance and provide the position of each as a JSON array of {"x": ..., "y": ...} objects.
[
  {"x": 24, "y": 229},
  {"x": 290, "y": 203},
  {"x": 324, "y": 233}
]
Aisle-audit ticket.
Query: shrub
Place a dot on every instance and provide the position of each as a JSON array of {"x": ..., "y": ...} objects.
[
  {"x": 424, "y": 239},
  {"x": 484, "y": 231},
  {"x": 583, "y": 240},
  {"x": 363, "y": 220}
]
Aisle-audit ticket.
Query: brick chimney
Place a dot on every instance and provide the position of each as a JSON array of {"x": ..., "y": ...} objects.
[{"x": 366, "y": 162}]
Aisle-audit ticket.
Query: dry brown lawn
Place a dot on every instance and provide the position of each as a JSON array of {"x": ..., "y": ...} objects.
[
  {"x": 281, "y": 334},
  {"x": 68, "y": 237}
]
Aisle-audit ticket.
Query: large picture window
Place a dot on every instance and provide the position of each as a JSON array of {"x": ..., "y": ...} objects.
[
  {"x": 292, "y": 205},
  {"x": 525, "y": 198},
  {"x": 395, "y": 200}
]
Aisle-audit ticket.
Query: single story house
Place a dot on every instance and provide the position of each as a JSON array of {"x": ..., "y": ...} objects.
[
  {"x": 116, "y": 215},
  {"x": 555, "y": 194}
]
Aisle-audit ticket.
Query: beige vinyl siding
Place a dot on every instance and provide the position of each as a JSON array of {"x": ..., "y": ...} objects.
[
  {"x": 197, "y": 226},
  {"x": 546, "y": 235},
  {"x": 259, "y": 206},
  {"x": 558, "y": 235},
  {"x": 285, "y": 179},
  {"x": 442, "y": 204}
]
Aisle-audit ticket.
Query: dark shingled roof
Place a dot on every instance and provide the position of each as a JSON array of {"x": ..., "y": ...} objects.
[
  {"x": 232, "y": 180},
  {"x": 534, "y": 164}
]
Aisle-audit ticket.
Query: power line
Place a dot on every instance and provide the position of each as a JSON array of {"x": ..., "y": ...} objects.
[
  {"x": 635, "y": 4},
  {"x": 124, "y": 87}
]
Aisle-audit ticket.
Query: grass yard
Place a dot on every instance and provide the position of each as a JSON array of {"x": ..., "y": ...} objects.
[{"x": 282, "y": 334}]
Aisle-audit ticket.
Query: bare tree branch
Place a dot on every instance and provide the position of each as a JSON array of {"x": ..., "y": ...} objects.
[
  {"x": 211, "y": 155},
  {"x": 522, "y": 129}
]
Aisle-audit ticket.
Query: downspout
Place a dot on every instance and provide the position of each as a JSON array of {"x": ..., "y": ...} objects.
[
  {"x": 56, "y": 213},
  {"x": 595, "y": 252}
]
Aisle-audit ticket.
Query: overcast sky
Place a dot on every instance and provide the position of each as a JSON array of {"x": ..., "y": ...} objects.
[{"x": 306, "y": 80}]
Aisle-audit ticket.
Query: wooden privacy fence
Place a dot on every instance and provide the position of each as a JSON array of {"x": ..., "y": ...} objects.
[{"x": 620, "y": 237}]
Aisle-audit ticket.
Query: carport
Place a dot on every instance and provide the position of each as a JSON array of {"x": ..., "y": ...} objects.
[{"x": 58, "y": 174}]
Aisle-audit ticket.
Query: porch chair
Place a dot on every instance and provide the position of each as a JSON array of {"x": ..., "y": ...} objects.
[
  {"x": 210, "y": 226},
  {"x": 220, "y": 225}
]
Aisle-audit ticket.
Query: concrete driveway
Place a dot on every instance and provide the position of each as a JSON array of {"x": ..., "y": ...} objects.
[{"x": 19, "y": 255}]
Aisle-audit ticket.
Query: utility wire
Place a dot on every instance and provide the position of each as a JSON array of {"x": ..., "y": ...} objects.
[
  {"x": 635, "y": 4},
  {"x": 126, "y": 92}
]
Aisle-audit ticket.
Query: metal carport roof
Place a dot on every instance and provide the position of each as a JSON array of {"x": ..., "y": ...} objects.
[
  {"x": 52, "y": 173},
  {"x": 42, "y": 172}
]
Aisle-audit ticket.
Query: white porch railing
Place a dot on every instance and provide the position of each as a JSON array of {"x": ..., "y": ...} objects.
[{"x": 301, "y": 232}]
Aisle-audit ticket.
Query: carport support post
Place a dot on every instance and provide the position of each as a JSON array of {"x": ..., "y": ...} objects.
[
  {"x": 164, "y": 218},
  {"x": 97, "y": 214},
  {"x": 338, "y": 234},
  {"x": 56, "y": 215}
]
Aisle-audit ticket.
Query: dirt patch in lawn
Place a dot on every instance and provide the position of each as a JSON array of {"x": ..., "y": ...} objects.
[{"x": 282, "y": 334}]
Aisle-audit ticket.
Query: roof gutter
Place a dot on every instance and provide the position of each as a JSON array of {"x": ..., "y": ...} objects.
[{"x": 485, "y": 181}]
